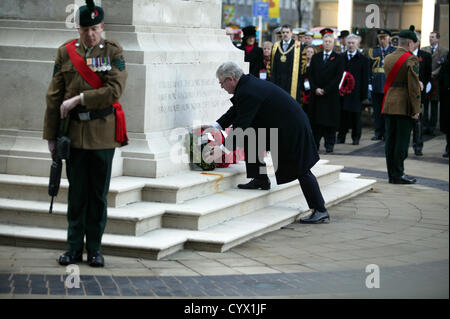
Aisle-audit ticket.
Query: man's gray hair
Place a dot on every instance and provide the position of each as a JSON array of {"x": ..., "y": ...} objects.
[
  {"x": 328, "y": 35},
  {"x": 353, "y": 37},
  {"x": 403, "y": 42},
  {"x": 229, "y": 69}
]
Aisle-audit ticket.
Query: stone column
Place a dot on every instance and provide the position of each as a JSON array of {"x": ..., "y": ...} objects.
[{"x": 172, "y": 49}]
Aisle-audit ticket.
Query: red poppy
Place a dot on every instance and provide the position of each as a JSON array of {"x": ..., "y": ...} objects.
[
  {"x": 332, "y": 58},
  {"x": 420, "y": 59}
]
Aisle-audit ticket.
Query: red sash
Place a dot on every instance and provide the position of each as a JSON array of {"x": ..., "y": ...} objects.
[
  {"x": 96, "y": 82},
  {"x": 393, "y": 74}
]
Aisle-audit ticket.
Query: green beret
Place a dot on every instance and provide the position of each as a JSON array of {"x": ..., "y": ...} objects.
[
  {"x": 89, "y": 15},
  {"x": 409, "y": 34}
]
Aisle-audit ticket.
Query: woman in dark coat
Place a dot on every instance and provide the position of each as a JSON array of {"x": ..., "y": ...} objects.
[
  {"x": 262, "y": 105},
  {"x": 253, "y": 53},
  {"x": 443, "y": 97},
  {"x": 305, "y": 85}
]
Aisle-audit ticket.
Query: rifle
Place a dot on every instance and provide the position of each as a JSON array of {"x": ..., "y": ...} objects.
[{"x": 62, "y": 152}]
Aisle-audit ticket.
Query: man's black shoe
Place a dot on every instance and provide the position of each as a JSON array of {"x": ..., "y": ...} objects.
[
  {"x": 418, "y": 152},
  {"x": 256, "y": 183},
  {"x": 355, "y": 142},
  {"x": 316, "y": 218},
  {"x": 376, "y": 138},
  {"x": 445, "y": 154},
  {"x": 340, "y": 141},
  {"x": 329, "y": 150},
  {"x": 403, "y": 180},
  {"x": 70, "y": 257},
  {"x": 95, "y": 259}
]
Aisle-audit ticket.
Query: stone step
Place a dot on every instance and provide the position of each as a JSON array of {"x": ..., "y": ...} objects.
[
  {"x": 127, "y": 189},
  {"x": 218, "y": 200},
  {"x": 162, "y": 242}
]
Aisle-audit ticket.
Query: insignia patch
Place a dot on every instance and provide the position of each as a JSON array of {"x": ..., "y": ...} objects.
[{"x": 119, "y": 63}]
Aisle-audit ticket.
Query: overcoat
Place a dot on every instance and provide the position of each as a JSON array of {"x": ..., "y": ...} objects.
[
  {"x": 403, "y": 97},
  {"x": 424, "y": 71},
  {"x": 256, "y": 59},
  {"x": 260, "y": 104},
  {"x": 327, "y": 76},
  {"x": 67, "y": 83},
  {"x": 358, "y": 66}
]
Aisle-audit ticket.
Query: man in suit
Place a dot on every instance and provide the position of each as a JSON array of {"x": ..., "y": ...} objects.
[
  {"x": 401, "y": 105},
  {"x": 286, "y": 63},
  {"x": 424, "y": 78},
  {"x": 261, "y": 105},
  {"x": 326, "y": 70},
  {"x": 95, "y": 120},
  {"x": 377, "y": 79},
  {"x": 358, "y": 66},
  {"x": 438, "y": 56}
]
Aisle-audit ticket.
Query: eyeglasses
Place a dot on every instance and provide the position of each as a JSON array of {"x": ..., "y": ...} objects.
[{"x": 221, "y": 83}]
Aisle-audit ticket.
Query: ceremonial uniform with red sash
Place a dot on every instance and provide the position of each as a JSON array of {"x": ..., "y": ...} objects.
[
  {"x": 401, "y": 102},
  {"x": 96, "y": 128}
]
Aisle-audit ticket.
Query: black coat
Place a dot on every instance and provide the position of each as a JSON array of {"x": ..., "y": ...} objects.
[
  {"x": 256, "y": 59},
  {"x": 444, "y": 91},
  {"x": 326, "y": 76},
  {"x": 281, "y": 72},
  {"x": 261, "y": 104},
  {"x": 358, "y": 66},
  {"x": 424, "y": 70}
]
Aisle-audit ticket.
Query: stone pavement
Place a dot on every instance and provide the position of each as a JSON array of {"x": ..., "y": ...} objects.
[{"x": 402, "y": 229}]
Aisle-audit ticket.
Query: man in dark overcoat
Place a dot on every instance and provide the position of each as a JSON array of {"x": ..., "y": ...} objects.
[
  {"x": 424, "y": 78},
  {"x": 358, "y": 66},
  {"x": 260, "y": 105},
  {"x": 326, "y": 69}
]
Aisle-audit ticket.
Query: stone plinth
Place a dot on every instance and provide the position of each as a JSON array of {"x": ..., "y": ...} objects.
[{"x": 172, "y": 49}]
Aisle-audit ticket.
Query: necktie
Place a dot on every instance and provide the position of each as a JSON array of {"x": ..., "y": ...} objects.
[
  {"x": 325, "y": 59},
  {"x": 285, "y": 46},
  {"x": 433, "y": 49}
]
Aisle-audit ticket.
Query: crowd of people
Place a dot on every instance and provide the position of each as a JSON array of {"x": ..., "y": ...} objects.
[{"x": 332, "y": 80}]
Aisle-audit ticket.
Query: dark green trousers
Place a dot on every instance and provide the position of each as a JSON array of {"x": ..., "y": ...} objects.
[
  {"x": 89, "y": 174},
  {"x": 398, "y": 133}
]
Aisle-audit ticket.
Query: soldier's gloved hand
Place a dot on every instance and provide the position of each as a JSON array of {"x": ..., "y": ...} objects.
[
  {"x": 421, "y": 86},
  {"x": 68, "y": 105},
  {"x": 370, "y": 87}
]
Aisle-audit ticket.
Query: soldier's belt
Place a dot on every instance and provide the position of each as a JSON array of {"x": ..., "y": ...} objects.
[
  {"x": 92, "y": 115},
  {"x": 378, "y": 70}
]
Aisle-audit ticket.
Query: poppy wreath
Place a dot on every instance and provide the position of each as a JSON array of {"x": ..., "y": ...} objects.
[
  {"x": 348, "y": 84},
  {"x": 215, "y": 138}
]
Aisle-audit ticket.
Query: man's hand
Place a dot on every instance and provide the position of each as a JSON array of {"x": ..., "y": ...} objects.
[
  {"x": 320, "y": 91},
  {"x": 416, "y": 116},
  {"x": 68, "y": 105},
  {"x": 421, "y": 86},
  {"x": 51, "y": 147}
]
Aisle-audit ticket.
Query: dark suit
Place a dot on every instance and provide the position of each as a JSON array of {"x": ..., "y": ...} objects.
[
  {"x": 358, "y": 66},
  {"x": 424, "y": 77},
  {"x": 326, "y": 75},
  {"x": 259, "y": 104}
]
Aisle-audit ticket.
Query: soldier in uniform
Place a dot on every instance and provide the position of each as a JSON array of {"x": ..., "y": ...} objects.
[
  {"x": 401, "y": 105},
  {"x": 377, "y": 78},
  {"x": 285, "y": 63},
  {"x": 89, "y": 101},
  {"x": 342, "y": 47}
]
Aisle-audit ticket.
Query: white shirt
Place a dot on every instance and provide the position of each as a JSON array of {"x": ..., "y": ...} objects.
[
  {"x": 326, "y": 55},
  {"x": 286, "y": 44},
  {"x": 416, "y": 51},
  {"x": 351, "y": 54}
]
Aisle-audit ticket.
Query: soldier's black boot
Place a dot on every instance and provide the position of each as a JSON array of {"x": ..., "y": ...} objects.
[
  {"x": 70, "y": 257},
  {"x": 257, "y": 183}
]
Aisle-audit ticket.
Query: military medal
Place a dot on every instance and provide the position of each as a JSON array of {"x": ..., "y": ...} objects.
[
  {"x": 103, "y": 63},
  {"x": 108, "y": 66}
]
